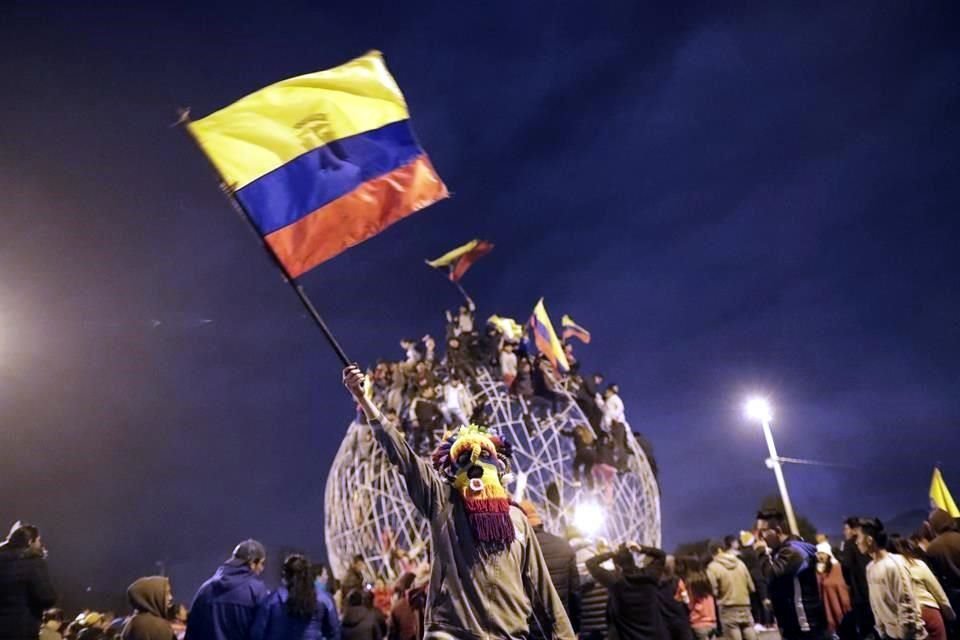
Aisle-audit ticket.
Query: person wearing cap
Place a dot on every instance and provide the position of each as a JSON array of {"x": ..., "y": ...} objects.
[
  {"x": 226, "y": 604},
  {"x": 25, "y": 587},
  {"x": 561, "y": 563},
  {"x": 488, "y": 573}
]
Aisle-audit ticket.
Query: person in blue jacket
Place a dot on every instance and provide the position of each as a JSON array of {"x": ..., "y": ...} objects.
[
  {"x": 226, "y": 604},
  {"x": 790, "y": 567},
  {"x": 298, "y": 610}
]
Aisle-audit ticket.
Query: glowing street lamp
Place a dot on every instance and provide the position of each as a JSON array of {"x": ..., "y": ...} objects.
[
  {"x": 759, "y": 410},
  {"x": 588, "y": 518}
]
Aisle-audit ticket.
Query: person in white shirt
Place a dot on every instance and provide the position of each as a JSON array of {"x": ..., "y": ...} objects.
[
  {"x": 612, "y": 406},
  {"x": 465, "y": 319},
  {"x": 892, "y": 597},
  {"x": 508, "y": 364},
  {"x": 934, "y": 605},
  {"x": 457, "y": 404}
]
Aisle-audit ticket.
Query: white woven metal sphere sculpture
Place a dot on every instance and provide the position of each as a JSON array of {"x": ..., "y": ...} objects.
[{"x": 368, "y": 512}]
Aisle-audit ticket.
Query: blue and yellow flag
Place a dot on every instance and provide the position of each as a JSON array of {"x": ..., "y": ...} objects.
[
  {"x": 323, "y": 161},
  {"x": 940, "y": 496},
  {"x": 546, "y": 338}
]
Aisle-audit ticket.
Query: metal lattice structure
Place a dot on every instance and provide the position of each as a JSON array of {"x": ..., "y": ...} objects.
[{"x": 368, "y": 511}]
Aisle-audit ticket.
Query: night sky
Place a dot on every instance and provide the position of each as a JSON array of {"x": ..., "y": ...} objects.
[{"x": 730, "y": 201}]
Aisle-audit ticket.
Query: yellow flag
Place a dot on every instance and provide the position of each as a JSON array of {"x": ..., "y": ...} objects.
[
  {"x": 452, "y": 256},
  {"x": 940, "y": 495}
]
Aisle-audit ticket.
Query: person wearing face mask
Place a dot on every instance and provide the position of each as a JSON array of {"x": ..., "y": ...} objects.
[
  {"x": 25, "y": 587},
  {"x": 489, "y": 578}
]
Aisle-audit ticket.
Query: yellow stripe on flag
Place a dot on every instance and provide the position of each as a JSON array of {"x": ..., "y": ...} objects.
[
  {"x": 452, "y": 256},
  {"x": 269, "y": 128},
  {"x": 940, "y": 495},
  {"x": 509, "y": 327},
  {"x": 549, "y": 344}
]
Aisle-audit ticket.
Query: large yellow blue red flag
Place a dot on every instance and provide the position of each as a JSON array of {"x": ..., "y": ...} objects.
[
  {"x": 940, "y": 496},
  {"x": 323, "y": 161},
  {"x": 546, "y": 338}
]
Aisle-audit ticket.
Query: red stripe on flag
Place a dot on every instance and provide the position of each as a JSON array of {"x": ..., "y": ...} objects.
[
  {"x": 466, "y": 260},
  {"x": 356, "y": 216}
]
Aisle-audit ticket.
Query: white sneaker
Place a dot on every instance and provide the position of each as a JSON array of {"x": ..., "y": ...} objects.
[{"x": 759, "y": 627}]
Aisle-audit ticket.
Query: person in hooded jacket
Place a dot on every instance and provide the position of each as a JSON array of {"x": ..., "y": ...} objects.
[
  {"x": 25, "y": 587},
  {"x": 297, "y": 610},
  {"x": 789, "y": 566},
  {"x": 150, "y": 598},
  {"x": 361, "y": 620},
  {"x": 732, "y": 586},
  {"x": 225, "y": 605},
  {"x": 633, "y": 608},
  {"x": 943, "y": 556}
]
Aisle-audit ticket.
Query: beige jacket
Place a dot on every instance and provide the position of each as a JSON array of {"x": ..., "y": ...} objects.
[
  {"x": 731, "y": 581},
  {"x": 475, "y": 595}
]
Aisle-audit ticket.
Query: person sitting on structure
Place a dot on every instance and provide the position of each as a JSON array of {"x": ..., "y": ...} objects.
[{"x": 488, "y": 575}]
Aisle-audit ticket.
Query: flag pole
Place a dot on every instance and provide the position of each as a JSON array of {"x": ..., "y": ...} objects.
[
  {"x": 184, "y": 119},
  {"x": 456, "y": 283},
  {"x": 463, "y": 291}
]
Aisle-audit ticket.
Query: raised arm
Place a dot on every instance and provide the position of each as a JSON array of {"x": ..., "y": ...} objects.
[
  {"x": 423, "y": 485},
  {"x": 785, "y": 561},
  {"x": 602, "y": 576}
]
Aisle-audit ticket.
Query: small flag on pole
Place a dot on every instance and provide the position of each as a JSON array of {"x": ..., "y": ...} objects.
[
  {"x": 546, "y": 338},
  {"x": 323, "y": 161},
  {"x": 940, "y": 495},
  {"x": 462, "y": 258},
  {"x": 572, "y": 330}
]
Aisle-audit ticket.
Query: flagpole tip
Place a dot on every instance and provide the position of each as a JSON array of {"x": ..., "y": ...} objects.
[{"x": 183, "y": 116}]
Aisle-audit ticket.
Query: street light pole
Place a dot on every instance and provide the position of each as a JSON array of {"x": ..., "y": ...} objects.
[
  {"x": 759, "y": 409},
  {"x": 781, "y": 482}
]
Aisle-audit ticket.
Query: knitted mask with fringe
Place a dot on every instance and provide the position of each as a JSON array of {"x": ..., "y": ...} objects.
[{"x": 474, "y": 459}]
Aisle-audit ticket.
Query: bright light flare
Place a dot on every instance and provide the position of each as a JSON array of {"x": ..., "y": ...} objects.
[
  {"x": 588, "y": 518},
  {"x": 758, "y": 409},
  {"x": 521, "y": 486}
]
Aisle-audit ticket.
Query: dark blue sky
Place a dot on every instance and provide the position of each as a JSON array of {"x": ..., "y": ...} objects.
[{"x": 730, "y": 200}]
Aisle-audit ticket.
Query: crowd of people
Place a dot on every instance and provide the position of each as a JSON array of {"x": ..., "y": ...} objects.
[
  {"x": 495, "y": 571},
  {"x": 428, "y": 392},
  {"x": 872, "y": 586}
]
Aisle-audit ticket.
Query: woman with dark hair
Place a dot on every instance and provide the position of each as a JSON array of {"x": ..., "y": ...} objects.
[
  {"x": 930, "y": 595},
  {"x": 296, "y": 611},
  {"x": 703, "y": 607},
  {"x": 25, "y": 587}
]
